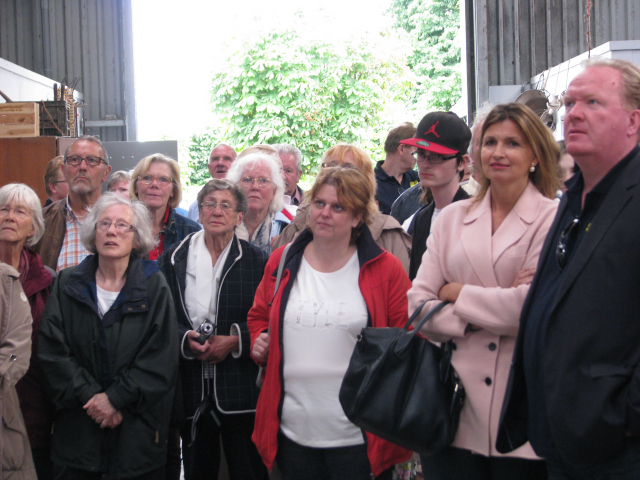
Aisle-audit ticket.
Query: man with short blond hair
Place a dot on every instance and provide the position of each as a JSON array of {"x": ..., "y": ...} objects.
[
  {"x": 85, "y": 168},
  {"x": 574, "y": 387}
]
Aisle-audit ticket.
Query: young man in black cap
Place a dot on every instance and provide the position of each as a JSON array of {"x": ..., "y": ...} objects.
[{"x": 442, "y": 140}]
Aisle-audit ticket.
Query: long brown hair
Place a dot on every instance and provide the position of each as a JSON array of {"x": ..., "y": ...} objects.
[{"x": 544, "y": 147}]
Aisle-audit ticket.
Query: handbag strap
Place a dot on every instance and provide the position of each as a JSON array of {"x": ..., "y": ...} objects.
[
  {"x": 429, "y": 314},
  {"x": 280, "y": 269},
  {"x": 405, "y": 339}
]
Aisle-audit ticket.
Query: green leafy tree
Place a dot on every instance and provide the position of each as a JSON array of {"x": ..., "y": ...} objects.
[
  {"x": 283, "y": 88},
  {"x": 199, "y": 148},
  {"x": 433, "y": 27}
]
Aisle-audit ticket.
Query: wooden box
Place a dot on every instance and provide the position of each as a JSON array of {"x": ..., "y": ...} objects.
[{"x": 19, "y": 120}]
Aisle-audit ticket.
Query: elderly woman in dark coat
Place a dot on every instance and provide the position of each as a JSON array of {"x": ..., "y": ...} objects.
[
  {"x": 109, "y": 349},
  {"x": 213, "y": 276}
]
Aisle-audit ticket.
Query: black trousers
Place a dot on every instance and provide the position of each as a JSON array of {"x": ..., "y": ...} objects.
[
  {"x": 297, "y": 462},
  {"x": 456, "y": 463},
  {"x": 202, "y": 459},
  {"x": 68, "y": 473}
]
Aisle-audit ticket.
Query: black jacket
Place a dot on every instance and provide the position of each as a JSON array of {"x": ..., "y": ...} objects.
[
  {"x": 235, "y": 389},
  {"x": 131, "y": 354},
  {"x": 592, "y": 344},
  {"x": 421, "y": 228}
]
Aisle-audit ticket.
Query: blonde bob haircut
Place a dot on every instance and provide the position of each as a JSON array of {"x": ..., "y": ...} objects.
[
  {"x": 544, "y": 147},
  {"x": 21, "y": 195},
  {"x": 335, "y": 156},
  {"x": 143, "y": 166},
  {"x": 355, "y": 193}
]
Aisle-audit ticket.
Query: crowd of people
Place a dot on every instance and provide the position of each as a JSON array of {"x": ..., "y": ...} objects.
[{"x": 137, "y": 342}]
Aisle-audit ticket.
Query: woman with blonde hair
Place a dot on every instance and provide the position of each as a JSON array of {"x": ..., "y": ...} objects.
[
  {"x": 385, "y": 230},
  {"x": 481, "y": 257},
  {"x": 156, "y": 182}
]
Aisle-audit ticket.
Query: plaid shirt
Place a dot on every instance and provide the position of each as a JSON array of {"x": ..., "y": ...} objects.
[{"x": 72, "y": 252}]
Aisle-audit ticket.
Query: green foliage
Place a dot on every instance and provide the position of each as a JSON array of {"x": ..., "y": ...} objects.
[
  {"x": 433, "y": 27},
  {"x": 199, "y": 149},
  {"x": 283, "y": 88}
]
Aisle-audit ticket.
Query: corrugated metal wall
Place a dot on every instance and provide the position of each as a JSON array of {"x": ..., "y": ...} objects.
[
  {"x": 86, "y": 38},
  {"x": 517, "y": 39}
]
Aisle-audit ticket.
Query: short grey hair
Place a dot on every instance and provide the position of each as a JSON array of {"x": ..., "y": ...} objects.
[
  {"x": 23, "y": 195},
  {"x": 254, "y": 159},
  {"x": 216, "y": 184},
  {"x": 117, "y": 177},
  {"x": 89, "y": 138},
  {"x": 144, "y": 240},
  {"x": 288, "y": 148}
]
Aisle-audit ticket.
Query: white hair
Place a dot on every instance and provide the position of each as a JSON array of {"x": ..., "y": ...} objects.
[
  {"x": 22, "y": 195},
  {"x": 252, "y": 160}
]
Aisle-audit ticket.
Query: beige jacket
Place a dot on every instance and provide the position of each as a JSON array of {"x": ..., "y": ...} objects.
[
  {"x": 15, "y": 352},
  {"x": 385, "y": 230}
]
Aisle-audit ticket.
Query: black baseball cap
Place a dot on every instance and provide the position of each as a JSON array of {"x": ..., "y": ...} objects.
[{"x": 441, "y": 132}]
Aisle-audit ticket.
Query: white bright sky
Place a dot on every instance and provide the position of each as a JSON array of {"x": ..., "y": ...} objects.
[{"x": 179, "y": 45}]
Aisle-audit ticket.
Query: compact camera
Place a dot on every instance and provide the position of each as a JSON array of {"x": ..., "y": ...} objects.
[{"x": 205, "y": 330}]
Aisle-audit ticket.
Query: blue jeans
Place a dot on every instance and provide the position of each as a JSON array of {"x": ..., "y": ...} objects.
[{"x": 626, "y": 466}]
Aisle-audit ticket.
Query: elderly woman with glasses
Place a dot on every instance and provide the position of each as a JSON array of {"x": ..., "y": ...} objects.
[
  {"x": 155, "y": 181},
  {"x": 385, "y": 230},
  {"x": 21, "y": 226},
  {"x": 259, "y": 175},
  {"x": 108, "y": 347},
  {"x": 481, "y": 257},
  {"x": 213, "y": 275}
]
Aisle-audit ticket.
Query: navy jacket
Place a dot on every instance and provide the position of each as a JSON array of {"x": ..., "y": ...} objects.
[{"x": 235, "y": 389}]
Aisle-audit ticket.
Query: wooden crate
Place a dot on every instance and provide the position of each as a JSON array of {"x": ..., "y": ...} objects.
[{"x": 19, "y": 120}]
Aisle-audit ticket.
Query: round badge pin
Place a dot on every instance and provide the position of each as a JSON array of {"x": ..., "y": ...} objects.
[{"x": 23, "y": 296}]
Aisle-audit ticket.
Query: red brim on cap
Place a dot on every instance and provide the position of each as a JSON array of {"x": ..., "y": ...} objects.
[{"x": 429, "y": 146}]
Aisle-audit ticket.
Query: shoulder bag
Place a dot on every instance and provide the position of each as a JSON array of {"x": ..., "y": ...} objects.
[{"x": 402, "y": 388}]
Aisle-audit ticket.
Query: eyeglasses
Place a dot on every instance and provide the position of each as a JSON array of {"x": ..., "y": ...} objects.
[
  {"x": 566, "y": 240},
  {"x": 432, "y": 158},
  {"x": 336, "y": 163},
  {"x": 19, "y": 212},
  {"x": 211, "y": 206},
  {"x": 76, "y": 160},
  {"x": 59, "y": 181},
  {"x": 162, "y": 180},
  {"x": 248, "y": 181},
  {"x": 121, "y": 226}
]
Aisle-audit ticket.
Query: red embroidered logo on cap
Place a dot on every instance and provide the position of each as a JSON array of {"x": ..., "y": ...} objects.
[{"x": 433, "y": 129}]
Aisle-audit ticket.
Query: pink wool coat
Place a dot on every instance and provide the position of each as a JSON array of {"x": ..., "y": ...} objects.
[{"x": 462, "y": 249}]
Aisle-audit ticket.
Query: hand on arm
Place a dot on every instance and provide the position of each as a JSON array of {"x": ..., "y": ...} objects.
[
  {"x": 524, "y": 277},
  {"x": 450, "y": 291}
]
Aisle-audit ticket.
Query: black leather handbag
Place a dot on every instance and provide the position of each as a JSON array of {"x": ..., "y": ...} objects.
[{"x": 401, "y": 387}]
